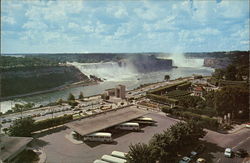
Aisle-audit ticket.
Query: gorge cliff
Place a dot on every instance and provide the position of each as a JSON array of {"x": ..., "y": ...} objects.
[{"x": 25, "y": 80}]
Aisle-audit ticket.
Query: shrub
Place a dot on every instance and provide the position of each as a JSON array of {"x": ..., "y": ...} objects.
[
  {"x": 73, "y": 103},
  {"x": 204, "y": 121},
  {"x": 52, "y": 122}
]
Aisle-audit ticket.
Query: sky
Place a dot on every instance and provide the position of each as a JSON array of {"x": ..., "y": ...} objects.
[{"x": 122, "y": 26}]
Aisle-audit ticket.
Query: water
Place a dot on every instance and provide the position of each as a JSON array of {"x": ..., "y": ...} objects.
[{"x": 114, "y": 75}]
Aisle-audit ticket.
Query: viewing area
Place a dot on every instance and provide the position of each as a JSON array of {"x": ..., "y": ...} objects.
[{"x": 105, "y": 120}]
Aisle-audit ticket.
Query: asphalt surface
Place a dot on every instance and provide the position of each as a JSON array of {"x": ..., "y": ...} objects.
[
  {"x": 235, "y": 141},
  {"x": 59, "y": 149},
  {"x": 57, "y": 110}
]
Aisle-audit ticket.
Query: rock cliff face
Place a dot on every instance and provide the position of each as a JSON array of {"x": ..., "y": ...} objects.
[
  {"x": 144, "y": 64},
  {"x": 216, "y": 62},
  {"x": 25, "y": 80}
]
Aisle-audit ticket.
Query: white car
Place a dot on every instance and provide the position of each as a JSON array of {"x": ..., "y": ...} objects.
[
  {"x": 248, "y": 125},
  {"x": 185, "y": 160},
  {"x": 228, "y": 152}
]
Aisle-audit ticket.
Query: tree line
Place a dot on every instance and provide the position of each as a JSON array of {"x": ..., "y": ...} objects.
[{"x": 165, "y": 147}]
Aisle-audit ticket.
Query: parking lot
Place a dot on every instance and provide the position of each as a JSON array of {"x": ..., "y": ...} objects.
[
  {"x": 52, "y": 111},
  {"x": 60, "y": 149}
]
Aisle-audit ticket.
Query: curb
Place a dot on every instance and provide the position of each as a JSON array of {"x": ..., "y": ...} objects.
[{"x": 41, "y": 154}]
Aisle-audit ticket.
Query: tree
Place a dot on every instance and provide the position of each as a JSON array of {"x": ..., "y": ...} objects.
[
  {"x": 17, "y": 108},
  {"x": 81, "y": 96},
  {"x": 231, "y": 72},
  {"x": 139, "y": 153},
  {"x": 190, "y": 101},
  {"x": 233, "y": 100},
  {"x": 219, "y": 73},
  {"x": 163, "y": 147},
  {"x": 28, "y": 106},
  {"x": 59, "y": 101},
  {"x": 22, "y": 127},
  {"x": 71, "y": 97},
  {"x": 9, "y": 112},
  {"x": 5, "y": 130},
  {"x": 166, "y": 77}
]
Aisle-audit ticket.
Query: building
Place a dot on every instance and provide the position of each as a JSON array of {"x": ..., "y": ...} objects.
[
  {"x": 120, "y": 91},
  {"x": 198, "y": 91},
  {"x": 110, "y": 92},
  {"x": 10, "y": 147}
]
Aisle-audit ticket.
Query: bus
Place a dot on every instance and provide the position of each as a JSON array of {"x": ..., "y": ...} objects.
[
  {"x": 118, "y": 154},
  {"x": 145, "y": 120},
  {"x": 128, "y": 126},
  {"x": 100, "y": 161},
  {"x": 113, "y": 159},
  {"x": 99, "y": 136}
]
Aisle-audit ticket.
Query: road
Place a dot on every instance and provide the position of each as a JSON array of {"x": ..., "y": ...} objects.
[
  {"x": 58, "y": 110},
  {"x": 238, "y": 140},
  {"x": 92, "y": 103}
]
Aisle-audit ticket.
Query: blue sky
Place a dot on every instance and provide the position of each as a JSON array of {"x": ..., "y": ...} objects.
[{"x": 31, "y": 26}]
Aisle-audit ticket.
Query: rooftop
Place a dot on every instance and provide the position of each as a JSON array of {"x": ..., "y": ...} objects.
[
  {"x": 105, "y": 120},
  {"x": 12, "y": 145},
  {"x": 198, "y": 89}
]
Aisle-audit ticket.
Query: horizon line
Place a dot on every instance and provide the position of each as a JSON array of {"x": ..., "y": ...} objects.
[{"x": 122, "y": 52}]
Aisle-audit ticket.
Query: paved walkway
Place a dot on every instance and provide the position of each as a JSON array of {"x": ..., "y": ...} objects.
[
  {"x": 236, "y": 128},
  {"x": 246, "y": 160},
  {"x": 70, "y": 137}
]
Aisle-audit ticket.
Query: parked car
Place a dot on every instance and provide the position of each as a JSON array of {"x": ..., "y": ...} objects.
[
  {"x": 76, "y": 109},
  {"x": 185, "y": 160},
  {"x": 200, "y": 160},
  {"x": 14, "y": 118},
  {"x": 228, "y": 152},
  {"x": 241, "y": 153},
  {"x": 4, "y": 121},
  {"x": 193, "y": 154},
  {"x": 248, "y": 125}
]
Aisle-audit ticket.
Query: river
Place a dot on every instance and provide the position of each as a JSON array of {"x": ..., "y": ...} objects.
[{"x": 115, "y": 76}]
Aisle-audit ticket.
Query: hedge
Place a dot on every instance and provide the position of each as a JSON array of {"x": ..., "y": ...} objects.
[
  {"x": 39, "y": 125},
  {"x": 177, "y": 93},
  {"x": 162, "y": 99},
  {"x": 165, "y": 88},
  {"x": 205, "y": 121},
  {"x": 184, "y": 86}
]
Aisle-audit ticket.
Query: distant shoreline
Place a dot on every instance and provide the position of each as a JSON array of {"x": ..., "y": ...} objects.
[{"x": 62, "y": 87}]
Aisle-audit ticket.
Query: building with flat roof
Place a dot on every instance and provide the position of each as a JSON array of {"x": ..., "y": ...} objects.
[
  {"x": 120, "y": 91},
  {"x": 105, "y": 120},
  {"x": 12, "y": 146}
]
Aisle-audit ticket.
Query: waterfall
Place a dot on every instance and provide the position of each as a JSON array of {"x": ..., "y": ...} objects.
[
  {"x": 110, "y": 71},
  {"x": 180, "y": 60}
]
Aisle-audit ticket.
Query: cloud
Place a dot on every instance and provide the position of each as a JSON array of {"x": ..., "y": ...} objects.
[
  {"x": 35, "y": 25},
  {"x": 9, "y": 20},
  {"x": 124, "y": 26},
  {"x": 73, "y": 26},
  {"x": 119, "y": 11}
]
